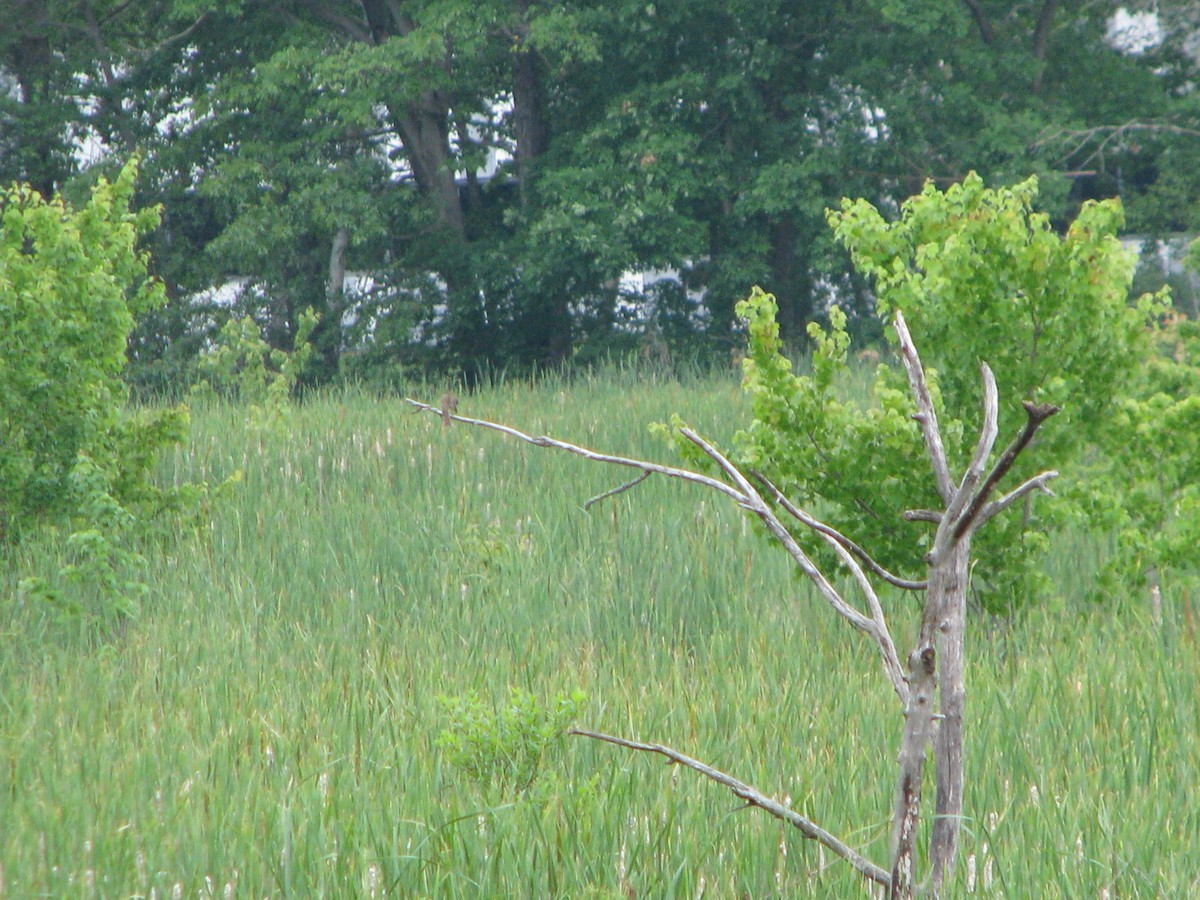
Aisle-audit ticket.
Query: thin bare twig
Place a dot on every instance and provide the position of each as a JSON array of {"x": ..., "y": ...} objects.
[
  {"x": 1104, "y": 135},
  {"x": 1036, "y": 483},
  {"x": 632, "y": 483},
  {"x": 669, "y": 471},
  {"x": 754, "y": 797}
]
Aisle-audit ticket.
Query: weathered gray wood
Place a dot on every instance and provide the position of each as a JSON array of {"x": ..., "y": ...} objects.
[
  {"x": 926, "y": 415},
  {"x": 945, "y": 624},
  {"x": 755, "y": 797},
  {"x": 918, "y": 729}
]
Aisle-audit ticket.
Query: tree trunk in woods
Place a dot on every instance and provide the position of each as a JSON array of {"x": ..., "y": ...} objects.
[
  {"x": 30, "y": 61},
  {"x": 789, "y": 278},
  {"x": 550, "y": 329},
  {"x": 530, "y": 129},
  {"x": 327, "y": 335}
]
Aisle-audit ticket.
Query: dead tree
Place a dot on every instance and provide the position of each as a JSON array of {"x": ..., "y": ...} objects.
[{"x": 929, "y": 682}]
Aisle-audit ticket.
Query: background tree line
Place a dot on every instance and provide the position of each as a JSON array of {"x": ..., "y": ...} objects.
[{"x": 291, "y": 142}]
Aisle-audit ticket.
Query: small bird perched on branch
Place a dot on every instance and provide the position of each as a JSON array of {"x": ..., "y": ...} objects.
[{"x": 449, "y": 407}]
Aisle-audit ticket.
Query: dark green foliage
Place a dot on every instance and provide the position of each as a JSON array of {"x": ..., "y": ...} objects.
[{"x": 698, "y": 136}]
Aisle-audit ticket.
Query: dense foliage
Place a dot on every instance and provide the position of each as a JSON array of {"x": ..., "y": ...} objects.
[
  {"x": 72, "y": 455},
  {"x": 980, "y": 277},
  {"x": 71, "y": 283},
  {"x": 497, "y": 166}
]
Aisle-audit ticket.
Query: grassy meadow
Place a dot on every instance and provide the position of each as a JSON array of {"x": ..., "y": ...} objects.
[{"x": 268, "y": 723}]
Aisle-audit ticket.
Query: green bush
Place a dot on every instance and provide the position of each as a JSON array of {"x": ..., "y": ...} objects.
[
  {"x": 71, "y": 453},
  {"x": 503, "y": 749}
]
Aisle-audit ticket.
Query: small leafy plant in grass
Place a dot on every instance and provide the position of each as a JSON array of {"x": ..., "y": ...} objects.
[
  {"x": 501, "y": 750},
  {"x": 244, "y": 368}
]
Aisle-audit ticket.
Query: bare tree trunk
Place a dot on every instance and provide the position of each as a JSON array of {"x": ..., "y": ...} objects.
[
  {"x": 946, "y": 598},
  {"x": 918, "y": 727}
]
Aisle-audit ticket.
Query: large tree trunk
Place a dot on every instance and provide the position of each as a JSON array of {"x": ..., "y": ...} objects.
[
  {"x": 531, "y": 130},
  {"x": 425, "y": 131},
  {"x": 423, "y": 126},
  {"x": 789, "y": 278}
]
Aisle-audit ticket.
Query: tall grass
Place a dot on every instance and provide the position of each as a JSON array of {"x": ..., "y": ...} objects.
[{"x": 268, "y": 724}]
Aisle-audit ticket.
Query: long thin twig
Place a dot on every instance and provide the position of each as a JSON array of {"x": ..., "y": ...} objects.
[
  {"x": 1106, "y": 134},
  {"x": 543, "y": 441},
  {"x": 620, "y": 489},
  {"x": 754, "y": 797}
]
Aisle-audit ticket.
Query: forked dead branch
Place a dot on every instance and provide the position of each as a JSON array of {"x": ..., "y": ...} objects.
[{"x": 929, "y": 682}]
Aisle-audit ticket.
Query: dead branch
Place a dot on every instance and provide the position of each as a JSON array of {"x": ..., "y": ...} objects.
[
  {"x": 926, "y": 415},
  {"x": 543, "y": 441},
  {"x": 1037, "y": 414},
  {"x": 883, "y": 635},
  {"x": 821, "y": 528},
  {"x": 875, "y": 625},
  {"x": 922, "y": 515},
  {"x": 965, "y": 497},
  {"x": 754, "y": 797},
  {"x": 1103, "y": 136},
  {"x": 983, "y": 448},
  {"x": 748, "y": 498},
  {"x": 1036, "y": 483},
  {"x": 632, "y": 483}
]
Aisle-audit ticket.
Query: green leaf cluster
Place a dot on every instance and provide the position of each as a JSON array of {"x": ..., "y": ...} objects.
[
  {"x": 503, "y": 749},
  {"x": 860, "y": 464},
  {"x": 241, "y": 366},
  {"x": 983, "y": 277},
  {"x": 1146, "y": 480}
]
